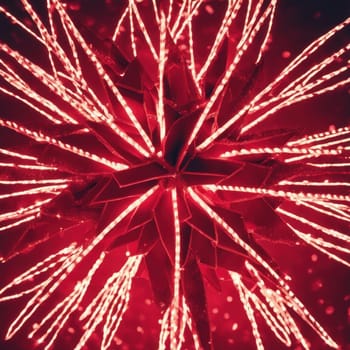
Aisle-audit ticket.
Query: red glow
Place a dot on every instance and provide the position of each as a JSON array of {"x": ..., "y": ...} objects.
[{"x": 156, "y": 158}]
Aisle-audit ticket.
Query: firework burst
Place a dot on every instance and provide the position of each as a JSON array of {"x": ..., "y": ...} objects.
[{"x": 156, "y": 148}]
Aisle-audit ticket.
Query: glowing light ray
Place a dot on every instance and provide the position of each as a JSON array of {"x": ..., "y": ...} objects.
[
  {"x": 330, "y": 165},
  {"x": 272, "y": 309},
  {"x": 320, "y": 228},
  {"x": 244, "y": 297},
  {"x": 230, "y": 14},
  {"x": 7, "y": 152},
  {"x": 110, "y": 304},
  {"x": 170, "y": 10},
  {"x": 41, "y": 137},
  {"x": 304, "y": 55},
  {"x": 81, "y": 103},
  {"x": 28, "y": 103},
  {"x": 101, "y": 71},
  {"x": 84, "y": 107},
  {"x": 188, "y": 318},
  {"x": 97, "y": 309},
  {"x": 268, "y": 32},
  {"x": 156, "y": 12},
  {"x": 59, "y": 315},
  {"x": 192, "y": 65},
  {"x": 21, "y": 221},
  {"x": 78, "y": 69},
  {"x": 305, "y": 78},
  {"x": 72, "y": 258},
  {"x": 166, "y": 325},
  {"x": 30, "y": 167},
  {"x": 61, "y": 270},
  {"x": 299, "y": 96},
  {"x": 308, "y": 183},
  {"x": 23, "y": 211},
  {"x": 323, "y": 246},
  {"x": 242, "y": 47},
  {"x": 294, "y": 302},
  {"x": 175, "y": 317},
  {"x": 22, "y": 25},
  {"x": 232, "y": 233},
  {"x": 176, "y": 35},
  {"x": 40, "y": 267},
  {"x": 304, "y": 199},
  {"x": 328, "y": 210},
  {"x": 312, "y": 48},
  {"x": 120, "y": 303},
  {"x": 185, "y": 4},
  {"x": 34, "y": 182},
  {"x": 161, "y": 67},
  {"x": 144, "y": 31},
  {"x": 50, "y": 43},
  {"x": 119, "y": 218},
  {"x": 253, "y": 24},
  {"x": 117, "y": 29},
  {"x": 313, "y": 152},
  {"x": 76, "y": 72},
  {"x": 53, "y": 33},
  {"x": 43, "y": 32},
  {"x": 175, "y": 305},
  {"x": 26, "y": 212},
  {"x": 132, "y": 29},
  {"x": 319, "y": 137},
  {"x": 295, "y": 196},
  {"x": 16, "y": 82},
  {"x": 332, "y": 143},
  {"x": 340, "y": 211},
  {"x": 30, "y": 290},
  {"x": 37, "y": 190},
  {"x": 302, "y": 84}
]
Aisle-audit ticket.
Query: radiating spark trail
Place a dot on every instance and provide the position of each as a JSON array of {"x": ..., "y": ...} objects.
[
  {"x": 309, "y": 200},
  {"x": 111, "y": 303},
  {"x": 23, "y": 211},
  {"x": 308, "y": 183},
  {"x": 296, "y": 196},
  {"x": 254, "y": 26},
  {"x": 21, "y": 221},
  {"x": 315, "y": 152},
  {"x": 162, "y": 61},
  {"x": 232, "y": 10},
  {"x": 28, "y": 166},
  {"x": 175, "y": 306},
  {"x": 16, "y": 154},
  {"x": 60, "y": 271},
  {"x": 319, "y": 137},
  {"x": 41, "y": 137},
  {"x": 59, "y": 315},
  {"x": 175, "y": 317},
  {"x": 37, "y": 190},
  {"x": 272, "y": 307},
  {"x": 120, "y": 23},
  {"x": 70, "y": 25},
  {"x": 328, "y": 248},
  {"x": 295, "y": 303},
  {"x": 311, "y": 49},
  {"x": 132, "y": 29}
]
